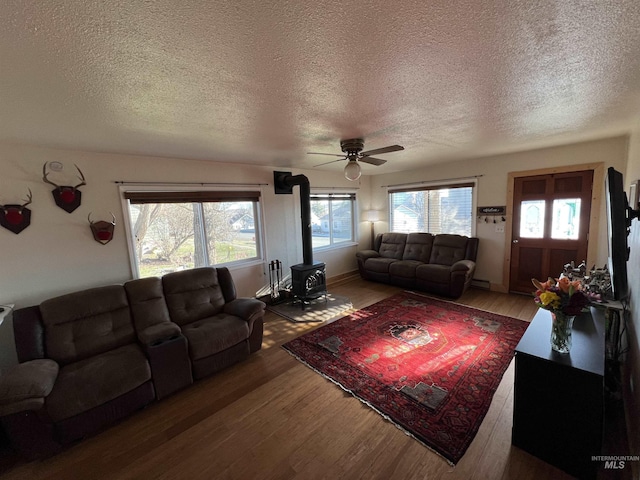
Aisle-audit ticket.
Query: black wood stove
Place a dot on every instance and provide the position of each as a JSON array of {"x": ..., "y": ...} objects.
[{"x": 308, "y": 279}]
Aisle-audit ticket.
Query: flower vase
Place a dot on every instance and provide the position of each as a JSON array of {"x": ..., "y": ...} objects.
[{"x": 561, "y": 325}]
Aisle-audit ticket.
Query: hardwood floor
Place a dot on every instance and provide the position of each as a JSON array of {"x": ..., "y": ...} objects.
[{"x": 271, "y": 417}]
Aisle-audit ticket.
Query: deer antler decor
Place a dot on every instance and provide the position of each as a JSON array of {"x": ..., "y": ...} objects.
[
  {"x": 67, "y": 197},
  {"x": 102, "y": 230},
  {"x": 16, "y": 217}
]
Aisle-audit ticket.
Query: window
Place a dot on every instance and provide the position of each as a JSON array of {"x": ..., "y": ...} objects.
[
  {"x": 177, "y": 230},
  {"x": 332, "y": 218},
  {"x": 434, "y": 209},
  {"x": 565, "y": 222},
  {"x": 566, "y": 219},
  {"x": 532, "y": 218}
]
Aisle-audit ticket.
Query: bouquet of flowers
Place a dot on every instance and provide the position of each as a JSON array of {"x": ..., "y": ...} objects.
[
  {"x": 560, "y": 296},
  {"x": 564, "y": 299}
]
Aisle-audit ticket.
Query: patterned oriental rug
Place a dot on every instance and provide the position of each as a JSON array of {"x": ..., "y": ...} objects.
[{"x": 429, "y": 366}]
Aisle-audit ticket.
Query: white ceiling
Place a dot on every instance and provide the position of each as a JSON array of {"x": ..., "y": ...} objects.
[{"x": 263, "y": 82}]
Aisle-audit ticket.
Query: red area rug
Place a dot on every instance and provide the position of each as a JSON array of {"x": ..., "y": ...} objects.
[{"x": 429, "y": 366}]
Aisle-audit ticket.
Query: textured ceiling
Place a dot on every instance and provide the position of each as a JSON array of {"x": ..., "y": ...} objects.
[{"x": 264, "y": 82}]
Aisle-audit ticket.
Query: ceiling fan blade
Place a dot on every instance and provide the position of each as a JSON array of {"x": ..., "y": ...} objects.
[
  {"x": 378, "y": 151},
  {"x": 332, "y": 161},
  {"x": 331, "y": 154},
  {"x": 373, "y": 161}
]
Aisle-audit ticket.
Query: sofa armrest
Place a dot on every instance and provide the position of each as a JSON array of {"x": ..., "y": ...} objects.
[
  {"x": 361, "y": 257},
  {"x": 461, "y": 275},
  {"x": 158, "y": 332},
  {"x": 246, "y": 308},
  {"x": 170, "y": 364},
  {"x": 24, "y": 386},
  {"x": 364, "y": 255},
  {"x": 463, "y": 266},
  {"x": 28, "y": 333}
]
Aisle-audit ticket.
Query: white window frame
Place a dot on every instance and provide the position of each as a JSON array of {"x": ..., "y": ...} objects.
[
  {"x": 435, "y": 185},
  {"x": 235, "y": 265},
  {"x": 354, "y": 222}
]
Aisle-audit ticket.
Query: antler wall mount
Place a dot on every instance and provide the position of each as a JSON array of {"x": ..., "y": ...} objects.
[
  {"x": 16, "y": 217},
  {"x": 102, "y": 230},
  {"x": 67, "y": 197}
]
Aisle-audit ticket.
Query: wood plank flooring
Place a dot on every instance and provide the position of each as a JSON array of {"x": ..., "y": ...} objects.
[{"x": 271, "y": 417}]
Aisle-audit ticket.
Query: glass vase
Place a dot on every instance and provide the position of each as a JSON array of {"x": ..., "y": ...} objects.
[{"x": 561, "y": 325}]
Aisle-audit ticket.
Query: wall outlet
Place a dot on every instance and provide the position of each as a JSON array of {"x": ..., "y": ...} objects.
[{"x": 499, "y": 228}]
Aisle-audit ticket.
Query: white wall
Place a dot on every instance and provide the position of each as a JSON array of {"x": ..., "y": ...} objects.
[
  {"x": 492, "y": 189},
  {"x": 57, "y": 253},
  {"x": 631, "y": 365}
]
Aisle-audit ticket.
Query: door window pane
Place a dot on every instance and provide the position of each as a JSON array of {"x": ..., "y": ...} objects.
[
  {"x": 565, "y": 224},
  {"x": 532, "y": 219}
]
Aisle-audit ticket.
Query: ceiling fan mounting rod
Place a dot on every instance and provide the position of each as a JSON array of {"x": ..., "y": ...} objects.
[
  {"x": 352, "y": 151},
  {"x": 352, "y": 146}
]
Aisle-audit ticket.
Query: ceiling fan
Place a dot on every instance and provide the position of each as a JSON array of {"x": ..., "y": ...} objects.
[{"x": 352, "y": 149}]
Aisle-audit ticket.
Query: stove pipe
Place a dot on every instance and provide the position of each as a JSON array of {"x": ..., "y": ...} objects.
[{"x": 284, "y": 180}]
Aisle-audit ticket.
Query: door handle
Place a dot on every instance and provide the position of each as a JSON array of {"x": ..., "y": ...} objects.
[{"x": 515, "y": 241}]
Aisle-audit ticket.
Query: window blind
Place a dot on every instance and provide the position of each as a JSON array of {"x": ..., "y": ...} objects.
[
  {"x": 432, "y": 187},
  {"x": 434, "y": 209},
  {"x": 338, "y": 196},
  {"x": 192, "y": 197}
]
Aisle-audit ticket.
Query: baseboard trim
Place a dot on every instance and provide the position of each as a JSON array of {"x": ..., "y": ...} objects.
[
  {"x": 342, "y": 277},
  {"x": 487, "y": 285},
  {"x": 497, "y": 287},
  {"x": 481, "y": 284}
]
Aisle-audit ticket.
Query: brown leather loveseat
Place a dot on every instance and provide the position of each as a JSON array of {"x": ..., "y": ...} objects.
[
  {"x": 442, "y": 264},
  {"x": 92, "y": 357}
]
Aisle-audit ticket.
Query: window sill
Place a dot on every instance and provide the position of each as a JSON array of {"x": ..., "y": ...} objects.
[
  {"x": 240, "y": 264},
  {"x": 337, "y": 246}
]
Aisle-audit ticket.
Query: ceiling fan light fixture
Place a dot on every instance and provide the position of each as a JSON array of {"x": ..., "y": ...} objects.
[{"x": 352, "y": 171}]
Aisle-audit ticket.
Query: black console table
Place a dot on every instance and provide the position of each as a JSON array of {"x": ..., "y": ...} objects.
[{"x": 558, "y": 409}]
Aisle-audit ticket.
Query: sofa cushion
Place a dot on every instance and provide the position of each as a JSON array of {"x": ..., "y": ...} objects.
[
  {"x": 89, "y": 383},
  {"x": 392, "y": 245},
  {"x": 418, "y": 247},
  {"x": 193, "y": 294},
  {"x": 149, "y": 310},
  {"x": 86, "y": 323},
  {"x": 379, "y": 265},
  {"x": 212, "y": 335},
  {"x": 404, "y": 268},
  {"x": 448, "y": 249},
  {"x": 434, "y": 273}
]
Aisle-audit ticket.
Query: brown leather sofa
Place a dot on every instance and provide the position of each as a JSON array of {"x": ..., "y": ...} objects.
[
  {"x": 442, "y": 264},
  {"x": 92, "y": 357}
]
